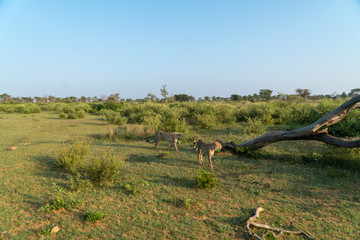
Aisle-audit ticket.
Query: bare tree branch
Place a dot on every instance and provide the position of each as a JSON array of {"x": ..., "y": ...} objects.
[{"x": 251, "y": 221}]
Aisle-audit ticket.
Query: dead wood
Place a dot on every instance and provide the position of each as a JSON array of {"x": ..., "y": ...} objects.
[
  {"x": 316, "y": 131},
  {"x": 251, "y": 221}
]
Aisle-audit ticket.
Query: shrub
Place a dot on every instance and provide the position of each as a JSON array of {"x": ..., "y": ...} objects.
[
  {"x": 92, "y": 216},
  {"x": 103, "y": 170},
  {"x": 254, "y": 125},
  {"x": 73, "y": 110},
  {"x": 62, "y": 115},
  {"x": 206, "y": 180},
  {"x": 113, "y": 117},
  {"x": 25, "y": 108},
  {"x": 28, "y": 108},
  {"x": 71, "y": 158}
]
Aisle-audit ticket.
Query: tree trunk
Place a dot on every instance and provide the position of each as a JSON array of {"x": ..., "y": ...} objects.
[{"x": 314, "y": 131}]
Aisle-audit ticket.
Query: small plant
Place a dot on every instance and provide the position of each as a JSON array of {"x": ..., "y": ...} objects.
[
  {"x": 62, "y": 200},
  {"x": 184, "y": 202},
  {"x": 338, "y": 173},
  {"x": 62, "y": 115},
  {"x": 71, "y": 158},
  {"x": 135, "y": 186},
  {"x": 92, "y": 216},
  {"x": 206, "y": 180},
  {"x": 129, "y": 137},
  {"x": 79, "y": 182},
  {"x": 47, "y": 230},
  {"x": 242, "y": 149}
]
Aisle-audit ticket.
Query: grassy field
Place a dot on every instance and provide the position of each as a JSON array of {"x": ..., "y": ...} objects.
[{"x": 166, "y": 204}]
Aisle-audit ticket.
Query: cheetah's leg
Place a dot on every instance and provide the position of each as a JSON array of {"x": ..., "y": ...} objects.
[
  {"x": 200, "y": 157},
  {"x": 211, "y": 153}
]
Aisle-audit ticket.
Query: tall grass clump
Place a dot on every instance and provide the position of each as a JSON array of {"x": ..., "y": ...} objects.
[
  {"x": 130, "y": 132},
  {"x": 72, "y": 157}
]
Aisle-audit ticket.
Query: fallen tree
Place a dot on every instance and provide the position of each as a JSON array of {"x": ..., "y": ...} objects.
[{"x": 316, "y": 131}]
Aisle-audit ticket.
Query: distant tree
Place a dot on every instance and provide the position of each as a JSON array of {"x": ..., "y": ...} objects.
[
  {"x": 52, "y": 98},
  {"x": 151, "y": 97},
  {"x": 304, "y": 93},
  {"x": 113, "y": 98},
  {"x": 5, "y": 97},
  {"x": 343, "y": 95},
  {"x": 28, "y": 99},
  {"x": 235, "y": 97},
  {"x": 207, "y": 98},
  {"x": 354, "y": 92},
  {"x": 265, "y": 94},
  {"x": 16, "y": 99},
  {"x": 183, "y": 98},
  {"x": 73, "y": 99},
  {"x": 37, "y": 99},
  {"x": 117, "y": 96},
  {"x": 82, "y": 99},
  {"x": 281, "y": 96},
  {"x": 164, "y": 93}
]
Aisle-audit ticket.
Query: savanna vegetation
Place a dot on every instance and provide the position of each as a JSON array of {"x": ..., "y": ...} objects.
[{"x": 81, "y": 169}]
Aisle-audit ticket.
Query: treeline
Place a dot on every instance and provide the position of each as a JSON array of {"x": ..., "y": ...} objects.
[
  {"x": 263, "y": 95},
  {"x": 182, "y": 116}
]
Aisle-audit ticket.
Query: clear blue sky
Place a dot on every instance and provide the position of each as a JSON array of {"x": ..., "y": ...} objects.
[{"x": 198, "y": 47}]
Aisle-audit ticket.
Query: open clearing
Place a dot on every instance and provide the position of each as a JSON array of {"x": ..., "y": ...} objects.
[{"x": 170, "y": 206}]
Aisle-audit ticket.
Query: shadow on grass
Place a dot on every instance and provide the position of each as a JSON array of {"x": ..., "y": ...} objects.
[
  {"x": 48, "y": 167},
  {"x": 176, "y": 181},
  {"x": 146, "y": 159}
]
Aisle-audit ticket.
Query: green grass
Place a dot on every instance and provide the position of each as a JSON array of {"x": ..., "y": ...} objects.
[{"x": 167, "y": 204}]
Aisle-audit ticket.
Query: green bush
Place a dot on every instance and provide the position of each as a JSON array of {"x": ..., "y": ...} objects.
[
  {"x": 25, "y": 108},
  {"x": 113, "y": 117},
  {"x": 72, "y": 110},
  {"x": 72, "y": 157},
  {"x": 206, "y": 180},
  {"x": 254, "y": 126},
  {"x": 103, "y": 170}
]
